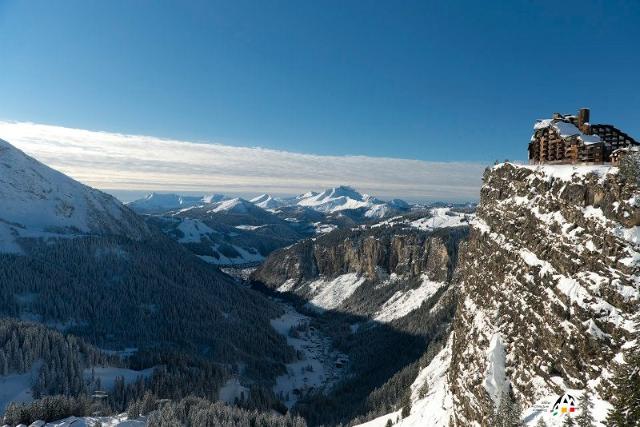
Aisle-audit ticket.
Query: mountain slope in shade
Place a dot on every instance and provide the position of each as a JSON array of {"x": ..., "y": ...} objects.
[
  {"x": 121, "y": 283},
  {"x": 39, "y": 202},
  {"x": 160, "y": 202}
]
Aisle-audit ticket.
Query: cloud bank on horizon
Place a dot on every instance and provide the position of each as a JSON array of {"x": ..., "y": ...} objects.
[{"x": 113, "y": 161}]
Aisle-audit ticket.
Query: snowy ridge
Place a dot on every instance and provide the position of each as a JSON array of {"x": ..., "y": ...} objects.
[
  {"x": 344, "y": 198},
  {"x": 331, "y": 200},
  {"x": 160, "y": 202},
  {"x": 266, "y": 201},
  {"x": 236, "y": 205},
  {"x": 39, "y": 202}
]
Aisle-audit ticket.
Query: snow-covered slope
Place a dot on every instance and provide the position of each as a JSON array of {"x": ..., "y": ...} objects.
[
  {"x": 236, "y": 205},
  {"x": 432, "y": 219},
  {"x": 114, "y": 421},
  {"x": 266, "y": 201},
  {"x": 39, "y": 202}
]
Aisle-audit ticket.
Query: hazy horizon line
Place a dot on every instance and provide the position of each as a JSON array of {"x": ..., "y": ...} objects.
[{"x": 116, "y": 162}]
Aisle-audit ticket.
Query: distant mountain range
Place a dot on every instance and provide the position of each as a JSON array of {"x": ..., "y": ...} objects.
[
  {"x": 331, "y": 200},
  {"x": 234, "y": 231}
]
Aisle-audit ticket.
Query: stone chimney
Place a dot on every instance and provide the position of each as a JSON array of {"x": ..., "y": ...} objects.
[{"x": 583, "y": 121}]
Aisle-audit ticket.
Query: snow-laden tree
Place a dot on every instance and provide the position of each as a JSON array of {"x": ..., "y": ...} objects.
[
  {"x": 541, "y": 423},
  {"x": 585, "y": 418},
  {"x": 508, "y": 412},
  {"x": 626, "y": 396}
]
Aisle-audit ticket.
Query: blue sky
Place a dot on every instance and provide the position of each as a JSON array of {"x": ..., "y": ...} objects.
[{"x": 434, "y": 81}]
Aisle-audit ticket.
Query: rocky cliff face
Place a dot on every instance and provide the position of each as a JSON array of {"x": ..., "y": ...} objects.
[
  {"x": 361, "y": 260},
  {"x": 368, "y": 252},
  {"x": 548, "y": 286}
]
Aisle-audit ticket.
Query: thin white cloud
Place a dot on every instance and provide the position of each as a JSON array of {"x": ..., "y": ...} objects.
[{"x": 113, "y": 161}]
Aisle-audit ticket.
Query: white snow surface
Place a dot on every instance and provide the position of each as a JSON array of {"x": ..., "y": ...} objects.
[
  {"x": 342, "y": 198},
  {"x": 442, "y": 218},
  {"x": 317, "y": 353},
  {"x": 115, "y": 421},
  {"x": 434, "y": 219},
  {"x": 495, "y": 378},
  {"x": 329, "y": 294},
  {"x": 193, "y": 230},
  {"x": 436, "y": 407},
  {"x": 39, "y": 202},
  {"x": 236, "y": 205},
  {"x": 404, "y": 302},
  {"x": 566, "y": 172},
  {"x": 267, "y": 201}
]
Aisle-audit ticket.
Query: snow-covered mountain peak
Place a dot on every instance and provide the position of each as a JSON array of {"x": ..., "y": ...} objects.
[
  {"x": 344, "y": 198},
  {"x": 38, "y": 201},
  {"x": 236, "y": 205},
  {"x": 267, "y": 201},
  {"x": 343, "y": 191}
]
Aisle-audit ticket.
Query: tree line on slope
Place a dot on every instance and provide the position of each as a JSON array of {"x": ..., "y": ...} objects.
[
  {"x": 62, "y": 358},
  {"x": 117, "y": 293},
  {"x": 188, "y": 412},
  {"x": 65, "y": 380}
]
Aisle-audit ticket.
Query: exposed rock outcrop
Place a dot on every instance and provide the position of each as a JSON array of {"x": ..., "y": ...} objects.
[
  {"x": 551, "y": 271},
  {"x": 373, "y": 253}
]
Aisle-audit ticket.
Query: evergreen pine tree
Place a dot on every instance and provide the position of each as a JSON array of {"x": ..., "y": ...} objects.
[
  {"x": 508, "y": 412},
  {"x": 585, "y": 418},
  {"x": 626, "y": 397},
  {"x": 568, "y": 421},
  {"x": 406, "y": 405},
  {"x": 541, "y": 423}
]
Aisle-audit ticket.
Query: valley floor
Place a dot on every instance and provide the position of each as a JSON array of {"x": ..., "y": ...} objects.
[{"x": 318, "y": 367}]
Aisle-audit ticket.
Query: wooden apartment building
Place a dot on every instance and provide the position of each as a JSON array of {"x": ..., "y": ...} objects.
[{"x": 568, "y": 138}]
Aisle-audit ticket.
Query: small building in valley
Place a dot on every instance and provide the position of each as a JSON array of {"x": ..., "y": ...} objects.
[{"x": 567, "y": 138}]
